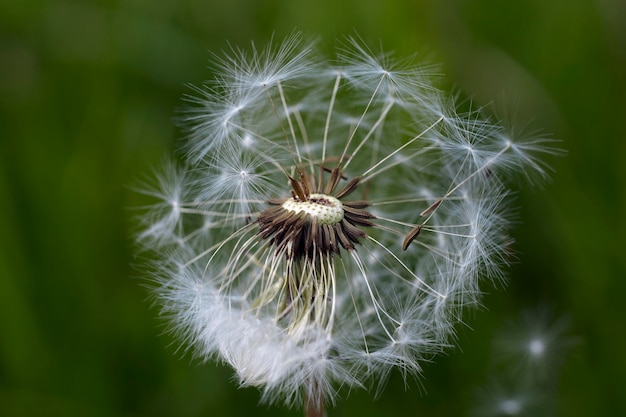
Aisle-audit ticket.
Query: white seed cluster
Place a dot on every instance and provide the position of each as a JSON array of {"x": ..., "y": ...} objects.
[
  {"x": 327, "y": 209},
  {"x": 308, "y": 295}
]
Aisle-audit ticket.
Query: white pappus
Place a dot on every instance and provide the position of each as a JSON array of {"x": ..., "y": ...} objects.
[{"x": 330, "y": 218}]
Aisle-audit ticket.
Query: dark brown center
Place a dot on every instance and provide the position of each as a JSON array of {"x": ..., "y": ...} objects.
[{"x": 309, "y": 225}]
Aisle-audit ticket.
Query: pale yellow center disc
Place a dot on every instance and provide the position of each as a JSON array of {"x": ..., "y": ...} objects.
[{"x": 327, "y": 209}]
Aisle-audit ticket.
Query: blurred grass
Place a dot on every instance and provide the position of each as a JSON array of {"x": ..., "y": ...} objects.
[{"x": 88, "y": 92}]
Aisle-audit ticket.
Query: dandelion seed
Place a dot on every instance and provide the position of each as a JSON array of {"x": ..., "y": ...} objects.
[
  {"x": 528, "y": 353},
  {"x": 536, "y": 344},
  {"x": 333, "y": 219},
  {"x": 503, "y": 399}
]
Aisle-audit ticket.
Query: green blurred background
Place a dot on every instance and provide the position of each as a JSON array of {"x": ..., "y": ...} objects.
[{"x": 88, "y": 93}]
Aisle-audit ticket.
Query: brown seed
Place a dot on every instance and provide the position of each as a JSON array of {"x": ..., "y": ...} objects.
[
  {"x": 411, "y": 236},
  {"x": 349, "y": 187},
  {"x": 432, "y": 207},
  {"x": 297, "y": 189},
  {"x": 335, "y": 176},
  {"x": 357, "y": 204}
]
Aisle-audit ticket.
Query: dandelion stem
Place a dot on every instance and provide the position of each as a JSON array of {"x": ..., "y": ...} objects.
[{"x": 315, "y": 406}]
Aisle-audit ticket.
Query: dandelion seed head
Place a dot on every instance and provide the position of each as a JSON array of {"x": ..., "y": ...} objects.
[
  {"x": 330, "y": 220},
  {"x": 501, "y": 397},
  {"x": 535, "y": 344},
  {"x": 510, "y": 407},
  {"x": 536, "y": 347}
]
